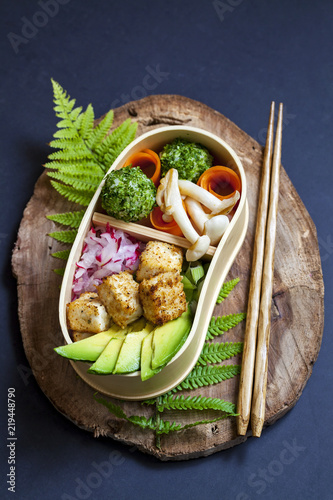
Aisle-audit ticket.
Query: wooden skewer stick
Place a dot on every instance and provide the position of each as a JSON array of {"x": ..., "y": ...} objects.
[
  {"x": 261, "y": 364},
  {"x": 247, "y": 373}
]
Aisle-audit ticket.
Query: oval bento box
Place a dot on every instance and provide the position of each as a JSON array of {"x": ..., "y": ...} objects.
[{"x": 130, "y": 386}]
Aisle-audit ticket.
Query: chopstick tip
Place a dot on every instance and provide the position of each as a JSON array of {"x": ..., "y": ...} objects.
[
  {"x": 241, "y": 426},
  {"x": 256, "y": 425}
]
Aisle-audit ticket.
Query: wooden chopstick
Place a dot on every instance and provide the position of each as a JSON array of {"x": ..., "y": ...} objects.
[
  {"x": 247, "y": 373},
  {"x": 261, "y": 364}
]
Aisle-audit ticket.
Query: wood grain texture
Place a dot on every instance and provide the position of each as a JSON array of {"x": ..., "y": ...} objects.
[{"x": 297, "y": 301}]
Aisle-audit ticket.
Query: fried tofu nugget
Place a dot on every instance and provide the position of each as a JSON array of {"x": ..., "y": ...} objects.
[
  {"x": 87, "y": 314},
  {"x": 77, "y": 336},
  {"x": 120, "y": 295},
  {"x": 159, "y": 257},
  {"x": 162, "y": 297}
]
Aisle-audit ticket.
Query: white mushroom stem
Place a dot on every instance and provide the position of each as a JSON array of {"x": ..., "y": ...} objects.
[
  {"x": 206, "y": 198},
  {"x": 160, "y": 193},
  {"x": 173, "y": 205},
  {"x": 230, "y": 203},
  {"x": 170, "y": 201},
  {"x": 197, "y": 214},
  {"x": 172, "y": 198},
  {"x": 198, "y": 249},
  {"x": 167, "y": 218},
  {"x": 212, "y": 226},
  {"x": 215, "y": 227}
]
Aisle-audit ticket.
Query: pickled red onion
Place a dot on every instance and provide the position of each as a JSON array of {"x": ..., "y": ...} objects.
[{"x": 106, "y": 251}]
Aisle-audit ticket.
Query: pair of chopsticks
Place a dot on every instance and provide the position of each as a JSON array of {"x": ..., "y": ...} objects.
[{"x": 253, "y": 379}]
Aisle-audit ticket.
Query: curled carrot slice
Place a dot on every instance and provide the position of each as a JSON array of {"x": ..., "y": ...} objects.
[
  {"x": 220, "y": 181},
  {"x": 149, "y": 162},
  {"x": 158, "y": 223}
]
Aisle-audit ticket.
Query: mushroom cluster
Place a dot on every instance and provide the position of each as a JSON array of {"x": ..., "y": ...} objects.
[{"x": 201, "y": 216}]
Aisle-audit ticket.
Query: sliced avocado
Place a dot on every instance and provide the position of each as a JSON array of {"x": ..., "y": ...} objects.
[
  {"x": 90, "y": 348},
  {"x": 169, "y": 338},
  {"x": 146, "y": 357},
  {"x": 105, "y": 363},
  {"x": 130, "y": 353},
  {"x": 137, "y": 325}
]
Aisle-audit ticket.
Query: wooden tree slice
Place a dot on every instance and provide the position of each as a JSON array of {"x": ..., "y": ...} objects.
[{"x": 297, "y": 302}]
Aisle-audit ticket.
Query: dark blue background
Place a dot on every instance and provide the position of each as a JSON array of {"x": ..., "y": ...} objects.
[{"x": 236, "y": 59}]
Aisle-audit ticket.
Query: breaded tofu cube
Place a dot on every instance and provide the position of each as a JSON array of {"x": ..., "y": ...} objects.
[
  {"x": 120, "y": 295},
  {"x": 77, "y": 336},
  {"x": 87, "y": 314},
  {"x": 159, "y": 257},
  {"x": 162, "y": 297}
]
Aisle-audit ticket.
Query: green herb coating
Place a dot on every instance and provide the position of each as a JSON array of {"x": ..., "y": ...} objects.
[
  {"x": 189, "y": 158},
  {"x": 128, "y": 194}
]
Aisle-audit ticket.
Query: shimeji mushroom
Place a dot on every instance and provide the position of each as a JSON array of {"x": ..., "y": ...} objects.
[
  {"x": 212, "y": 226},
  {"x": 172, "y": 205},
  {"x": 198, "y": 250},
  {"x": 214, "y": 204},
  {"x": 215, "y": 227},
  {"x": 160, "y": 199},
  {"x": 197, "y": 214}
]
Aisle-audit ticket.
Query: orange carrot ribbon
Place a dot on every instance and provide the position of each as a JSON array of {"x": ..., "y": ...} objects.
[
  {"x": 157, "y": 222},
  {"x": 220, "y": 181},
  {"x": 149, "y": 162}
]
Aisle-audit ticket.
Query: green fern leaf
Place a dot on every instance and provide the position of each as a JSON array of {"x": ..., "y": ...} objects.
[
  {"x": 217, "y": 352},
  {"x": 66, "y": 133},
  {"x": 165, "y": 427},
  {"x": 226, "y": 289},
  {"x": 64, "y": 236},
  {"x": 76, "y": 127},
  {"x": 112, "y": 139},
  {"x": 100, "y": 131},
  {"x": 149, "y": 401},
  {"x": 171, "y": 402},
  {"x": 87, "y": 122},
  {"x": 67, "y": 123},
  {"x": 202, "y": 376},
  {"x": 75, "y": 166},
  {"x": 143, "y": 422},
  {"x": 221, "y": 324},
  {"x": 72, "y": 194},
  {"x": 74, "y": 116},
  {"x": 114, "y": 143},
  {"x": 114, "y": 409},
  {"x": 160, "y": 426},
  {"x": 85, "y": 170},
  {"x": 72, "y": 219},
  {"x": 115, "y": 151},
  {"x": 60, "y": 271},
  {"x": 79, "y": 153},
  {"x": 62, "y": 254},
  {"x": 81, "y": 148},
  {"x": 64, "y": 104},
  {"x": 81, "y": 182},
  {"x": 70, "y": 143}
]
